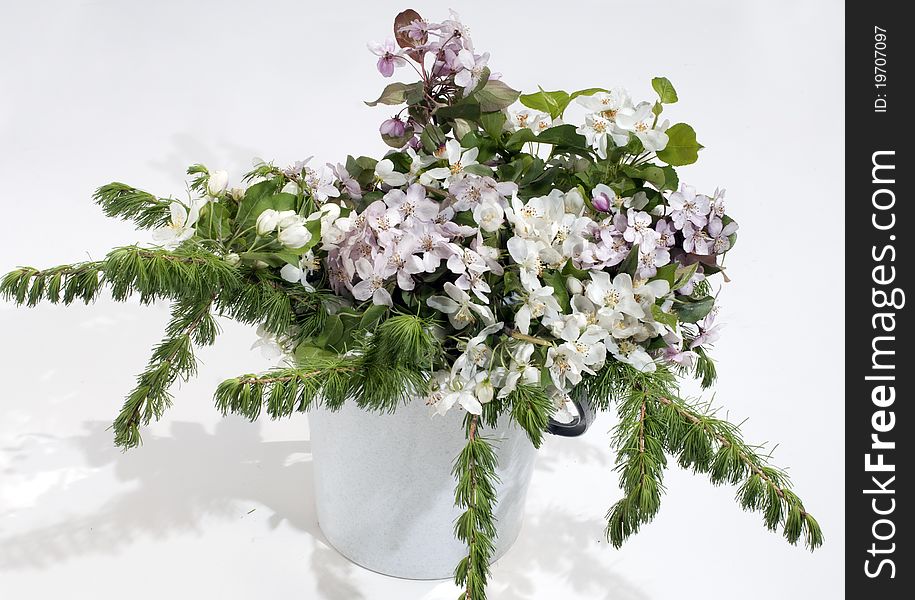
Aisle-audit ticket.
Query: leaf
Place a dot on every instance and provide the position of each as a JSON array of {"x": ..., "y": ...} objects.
[
  {"x": 631, "y": 261},
  {"x": 696, "y": 310},
  {"x": 307, "y": 352},
  {"x": 496, "y": 95},
  {"x": 555, "y": 280},
  {"x": 552, "y": 103},
  {"x": 683, "y": 275},
  {"x": 402, "y": 20},
  {"x": 650, "y": 173},
  {"x": 396, "y": 93},
  {"x": 668, "y": 272},
  {"x": 478, "y": 169},
  {"x": 682, "y": 147},
  {"x": 665, "y": 90},
  {"x": 215, "y": 223},
  {"x": 254, "y": 203},
  {"x": 663, "y": 317},
  {"x": 467, "y": 109},
  {"x": 586, "y": 92},
  {"x": 462, "y": 127},
  {"x": 492, "y": 123},
  {"x": 671, "y": 180},
  {"x": 519, "y": 138},
  {"x": 333, "y": 331},
  {"x": 562, "y": 135},
  {"x": 372, "y": 315}
]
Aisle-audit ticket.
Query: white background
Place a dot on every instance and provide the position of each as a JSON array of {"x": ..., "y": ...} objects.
[{"x": 95, "y": 91}]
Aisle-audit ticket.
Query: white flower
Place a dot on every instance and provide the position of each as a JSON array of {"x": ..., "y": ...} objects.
[
  {"x": 477, "y": 355},
  {"x": 640, "y": 121},
  {"x": 527, "y": 254},
  {"x": 520, "y": 370},
  {"x": 458, "y": 161},
  {"x": 565, "y": 365},
  {"x": 299, "y": 274},
  {"x": 321, "y": 183},
  {"x": 372, "y": 284},
  {"x": 267, "y": 221},
  {"x": 632, "y": 354},
  {"x": 639, "y": 227},
  {"x": 686, "y": 205},
  {"x": 595, "y": 130},
  {"x": 180, "y": 228},
  {"x": 528, "y": 119},
  {"x": 489, "y": 216},
  {"x": 268, "y": 345},
  {"x": 293, "y": 233},
  {"x": 459, "y": 308},
  {"x": 573, "y": 201},
  {"x": 217, "y": 183},
  {"x": 588, "y": 344},
  {"x": 606, "y": 104},
  {"x": 385, "y": 173},
  {"x": 613, "y": 297},
  {"x": 537, "y": 303},
  {"x": 471, "y": 74}
]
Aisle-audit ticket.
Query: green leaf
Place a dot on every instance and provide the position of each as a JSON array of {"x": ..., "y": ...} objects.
[
  {"x": 671, "y": 180},
  {"x": 650, "y": 173},
  {"x": 682, "y": 148},
  {"x": 467, "y": 109},
  {"x": 562, "y": 135},
  {"x": 372, "y": 315},
  {"x": 478, "y": 169},
  {"x": 683, "y": 275},
  {"x": 307, "y": 352},
  {"x": 552, "y": 103},
  {"x": 396, "y": 93},
  {"x": 496, "y": 95},
  {"x": 492, "y": 123},
  {"x": 586, "y": 92},
  {"x": 665, "y": 90},
  {"x": 252, "y": 205},
  {"x": 696, "y": 310},
  {"x": 215, "y": 223},
  {"x": 517, "y": 139},
  {"x": 668, "y": 272},
  {"x": 663, "y": 317},
  {"x": 556, "y": 280},
  {"x": 333, "y": 331},
  {"x": 631, "y": 261}
]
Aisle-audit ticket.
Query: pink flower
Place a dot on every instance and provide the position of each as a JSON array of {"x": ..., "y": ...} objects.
[{"x": 389, "y": 56}]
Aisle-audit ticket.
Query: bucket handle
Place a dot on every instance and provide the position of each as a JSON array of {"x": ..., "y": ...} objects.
[{"x": 579, "y": 424}]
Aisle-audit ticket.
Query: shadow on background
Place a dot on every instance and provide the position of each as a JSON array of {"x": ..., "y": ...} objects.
[{"x": 192, "y": 475}]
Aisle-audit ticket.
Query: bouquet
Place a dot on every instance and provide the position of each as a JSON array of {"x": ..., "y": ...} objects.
[{"x": 512, "y": 254}]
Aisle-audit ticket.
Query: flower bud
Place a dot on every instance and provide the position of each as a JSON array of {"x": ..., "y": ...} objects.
[
  {"x": 216, "y": 186},
  {"x": 574, "y": 286},
  {"x": 393, "y": 128},
  {"x": 601, "y": 202},
  {"x": 573, "y": 201},
  {"x": 295, "y": 236},
  {"x": 267, "y": 221},
  {"x": 484, "y": 391},
  {"x": 233, "y": 259}
]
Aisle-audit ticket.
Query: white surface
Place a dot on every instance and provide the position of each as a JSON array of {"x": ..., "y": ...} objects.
[
  {"x": 97, "y": 91},
  {"x": 384, "y": 492}
]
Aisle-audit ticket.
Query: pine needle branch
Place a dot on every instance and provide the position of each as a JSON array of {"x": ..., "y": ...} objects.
[
  {"x": 191, "y": 323},
  {"x": 531, "y": 409},
  {"x": 710, "y": 445},
  {"x": 474, "y": 470},
  {"x": 640, "y": 462},
  {"x": 122, "y": 201}
]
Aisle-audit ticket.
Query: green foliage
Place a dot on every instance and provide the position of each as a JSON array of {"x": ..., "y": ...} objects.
[
  {"x": 475, "y": 473},
  {"x": 191, "y": 323},
  {"x": 126, "y": 202},
  {"x": 655, "y": 422},
  {"x": 665, "y": 89},
  {"x": 531, "y": 409},
  {"x": 682, "y": 148}
]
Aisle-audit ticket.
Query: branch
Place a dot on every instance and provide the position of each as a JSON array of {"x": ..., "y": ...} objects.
[
  {"x": 172, "y": 358},
  {"x": 474, "y": 470}
]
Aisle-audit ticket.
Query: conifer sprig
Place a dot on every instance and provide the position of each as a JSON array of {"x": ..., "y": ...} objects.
[
  {"x": 475, "y": 472},
  {"x": 654, "y": 422},
  {"x": 191, "y": 323},
  {"x": 122, "y": 201}
]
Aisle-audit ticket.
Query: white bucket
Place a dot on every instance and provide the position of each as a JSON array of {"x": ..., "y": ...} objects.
[{"x": 385, "y": 493}]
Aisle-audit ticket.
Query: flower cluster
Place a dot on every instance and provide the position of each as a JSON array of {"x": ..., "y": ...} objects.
[{"x": 543, "y": 246}]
